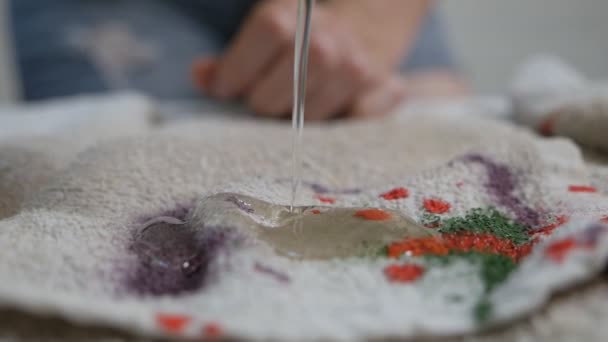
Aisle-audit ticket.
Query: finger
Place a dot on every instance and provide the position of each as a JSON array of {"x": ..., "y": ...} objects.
[
  {"x": 324, "y": 57},
  {"x": 328, "y": 100},
  {"x": 261, "y": 39},
  {"x": 340, "y": 89},
  {"x": 272, "y": 96},
  {"x": 379, "y": 100},
  {"x": 203, "y": 72}
]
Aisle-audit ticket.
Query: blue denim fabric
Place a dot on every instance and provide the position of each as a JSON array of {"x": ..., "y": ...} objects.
[{"x": 49, "y": 36}]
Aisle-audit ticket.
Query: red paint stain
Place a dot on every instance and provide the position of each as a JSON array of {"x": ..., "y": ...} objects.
[
  {"x": 328, "y": 200},
  {"x": 581, "y": 188},
  {"x": 558, "y": 250},
  {"x": 604, "y": 219},
  {"x": 460, "y": 242},
  {"x": 212, "y": 330},
  {"x": 373, "y": 215},
  {"x": 395, "y": 194},
  {"x": 547, "y": 230},
  {"x": 316, "y": 211},
  {"x": 436, "y": 206},
  {"x": 486, "y": 243},
  {"x": 403, "y": 273},
  {"x": 174, "y": 324},
  {"x": 547, "y": 126},
  {"x": 418, "y": 247}
]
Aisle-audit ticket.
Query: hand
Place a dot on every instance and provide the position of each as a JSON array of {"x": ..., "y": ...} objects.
[{"x": 258, "y": 67}]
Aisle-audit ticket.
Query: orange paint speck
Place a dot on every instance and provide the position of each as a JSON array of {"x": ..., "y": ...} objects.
[
  {"x": 172, "y": 323},
  {"x": 460, "y": 242},
  {"x": 373, "y": 215},
  {"x": 395, "y": 194},
  {"x": 418, "y": 247},
  {"x": 403, "y": 273},
  {"x": 316, "y": 211},
  {"x": 436, "y": 206},
  {"x": 212, "y": 330},
  {"x": 328, "y": 200},
  {"x": 558, "y": 250},
  {"x": 581, "y": 188},
  {"x": 547, "y": 230},
  {"x": 547, "y": 126}
]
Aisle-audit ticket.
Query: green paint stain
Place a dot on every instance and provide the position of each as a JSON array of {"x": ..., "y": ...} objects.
[
  {"x": 483, "y": 310},
  {"x": 494, "y": 269},
  {"x": 383, "y": 252},
  {"x": 429, "y": 219},
  {"x": 487, "y": 221}
]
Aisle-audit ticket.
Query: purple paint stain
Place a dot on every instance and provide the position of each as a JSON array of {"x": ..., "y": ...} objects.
[
  {"x": 244, "y": 206},
  {"x": 173, "y": 257},
  {"x": 321, "y": 189},
  {"x": 280, "y": 277},
  {"x": 592, "y": 234},
  {"x": 501, "y": 184},
  {"x": 318, "y": 188}
]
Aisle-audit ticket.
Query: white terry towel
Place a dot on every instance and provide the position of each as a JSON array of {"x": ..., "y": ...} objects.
[
  {"x": 552, "y": 97},
  {"x": 69, "y": 248},
  {"x": 39, "y": 140}
]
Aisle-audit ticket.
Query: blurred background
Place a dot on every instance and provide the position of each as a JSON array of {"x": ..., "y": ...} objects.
[{"x": 490, "y": 37}]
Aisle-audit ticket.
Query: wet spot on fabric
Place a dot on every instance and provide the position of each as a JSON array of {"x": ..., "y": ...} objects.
[
  {"x": 173, "y": 256},
  {"x": 241, "y": 204}
]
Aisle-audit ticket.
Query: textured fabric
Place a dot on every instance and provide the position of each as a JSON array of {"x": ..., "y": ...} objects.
[
  {"x": 56, "y": 132},
  {"x": 555, "y": 99},
  {"x": 67, "y": 248},
  {"x": 67, "y": 47}
]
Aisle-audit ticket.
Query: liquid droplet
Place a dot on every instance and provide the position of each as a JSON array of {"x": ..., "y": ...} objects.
[
  {"x": 176, "y": 255},
  {"x": 311, "y": 232},
  {"x": 299, "y": 88},
  {"x": 173, "y": 256}
]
